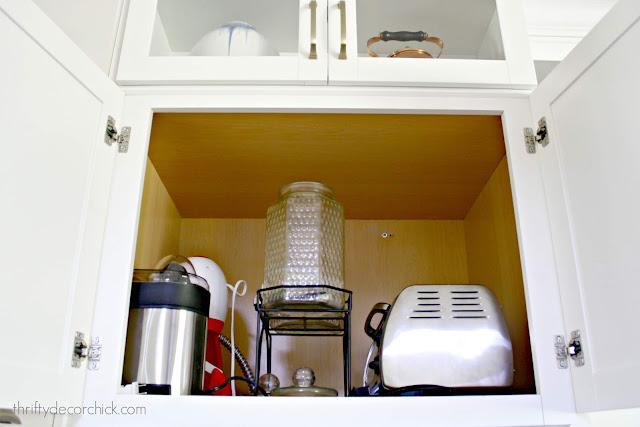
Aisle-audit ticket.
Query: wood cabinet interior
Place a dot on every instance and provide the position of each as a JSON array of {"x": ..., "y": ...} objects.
[
  {"x": 480, "y": 247},
  {"x": 160, "y": 222}
]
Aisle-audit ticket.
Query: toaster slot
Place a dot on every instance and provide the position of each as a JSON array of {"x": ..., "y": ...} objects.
[
  {"x": 470, "y": 317},
  {"x": 480, "y": 313}
]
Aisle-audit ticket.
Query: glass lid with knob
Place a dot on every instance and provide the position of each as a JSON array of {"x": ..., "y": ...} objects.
[{"x": 303, "y": 380}]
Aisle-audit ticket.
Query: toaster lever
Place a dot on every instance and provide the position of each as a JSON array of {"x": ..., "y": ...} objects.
[{"x": 374, "y": 365}]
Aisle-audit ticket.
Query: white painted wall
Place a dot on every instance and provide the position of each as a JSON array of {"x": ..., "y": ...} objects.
[
  {"x": 91, "y": 24},
  {"x": 556, "y": 26}
]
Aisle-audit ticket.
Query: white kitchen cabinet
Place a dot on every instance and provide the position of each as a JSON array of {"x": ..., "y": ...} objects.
[
  {"x": 574, "y": 202},
  {"x": 485, "y": 43}
]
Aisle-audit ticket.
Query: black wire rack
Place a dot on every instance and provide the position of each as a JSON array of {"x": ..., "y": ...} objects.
[{"x": 304, "y": 318}]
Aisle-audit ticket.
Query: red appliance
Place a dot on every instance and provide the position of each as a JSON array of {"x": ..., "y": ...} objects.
[{"x": 211, "y": 272}]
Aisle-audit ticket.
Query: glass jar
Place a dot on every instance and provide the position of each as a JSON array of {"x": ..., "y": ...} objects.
[{"x": 304, "y": 247}]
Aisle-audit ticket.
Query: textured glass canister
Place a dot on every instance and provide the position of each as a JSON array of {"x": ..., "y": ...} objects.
[{"x": 304, "y": 247}]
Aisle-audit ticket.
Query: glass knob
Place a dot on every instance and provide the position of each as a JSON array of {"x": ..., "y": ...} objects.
[
  {"x": 269, "y": 382},
  {"x": 304, "y": 377}
]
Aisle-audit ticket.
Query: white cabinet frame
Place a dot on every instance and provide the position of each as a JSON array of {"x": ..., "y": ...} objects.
[{"x": 545, "y": 314}]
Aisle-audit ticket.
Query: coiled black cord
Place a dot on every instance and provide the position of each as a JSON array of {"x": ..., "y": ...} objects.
[{"x": 223, "y": 385}]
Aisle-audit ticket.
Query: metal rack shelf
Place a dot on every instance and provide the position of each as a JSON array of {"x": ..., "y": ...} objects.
[{"x": 304, "y": 319}]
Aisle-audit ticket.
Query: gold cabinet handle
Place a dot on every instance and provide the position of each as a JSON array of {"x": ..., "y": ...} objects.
[
  {"x": 314, "y": 54},
  {"x": 343, "y": 30}
]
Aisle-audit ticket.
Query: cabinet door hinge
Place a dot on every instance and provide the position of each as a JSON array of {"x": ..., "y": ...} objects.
[
  {"x": 541, "y": 136},
  {"x": 111, "y": 135},
  {"x": 81, "y": 351},
  {"x": 574, "y": 350}
]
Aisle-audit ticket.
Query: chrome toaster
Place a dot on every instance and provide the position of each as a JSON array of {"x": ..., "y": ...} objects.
[{"x": 452, "y": 336}]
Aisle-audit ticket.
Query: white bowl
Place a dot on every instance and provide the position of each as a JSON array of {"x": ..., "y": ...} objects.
[{"x": 234, "y": 39}]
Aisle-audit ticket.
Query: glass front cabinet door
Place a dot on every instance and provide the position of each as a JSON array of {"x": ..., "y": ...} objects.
[
  {"x": 441, "y": 43},
  {"x": 224, "y": 41},
  {"x": 452, "y": 43}
]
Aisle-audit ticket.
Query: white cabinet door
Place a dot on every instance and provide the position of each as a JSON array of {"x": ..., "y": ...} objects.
[
  {"x": 55, "y": 179},
  {"x": 485, "y": 43},
  {"x": 160, "y": 35},
  {"x": 591, "y": 167}
]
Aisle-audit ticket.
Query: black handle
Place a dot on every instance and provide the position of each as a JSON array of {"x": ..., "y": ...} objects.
[
  {"x": 403, "y": 36},
  {"x": 376, "y": 333},
  {"x": 375, "y": 365}
]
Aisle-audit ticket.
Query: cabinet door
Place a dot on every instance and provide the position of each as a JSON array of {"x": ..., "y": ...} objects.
[
  {"x": 592, "y": 180},
  {"x": 221, "y": 41},
  {"x": 54, "y": 182},
  {"x": 484, "y": 43}
]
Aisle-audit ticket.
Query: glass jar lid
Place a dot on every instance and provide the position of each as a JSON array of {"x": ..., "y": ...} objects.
[
  {"x": 307, "y": 187},
  {"x": 303, "y": 380}
]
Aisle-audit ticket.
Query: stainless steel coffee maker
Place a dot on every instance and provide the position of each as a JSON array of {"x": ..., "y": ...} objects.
[{"x": 166, "y": 335}]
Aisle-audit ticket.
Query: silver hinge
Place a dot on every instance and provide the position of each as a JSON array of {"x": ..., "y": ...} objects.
[
  {"x": 111, "y": 135},
  {"x": 80, "y": 351},
  {"x": 574, "y": 350},
  {"x": 95, "y": 353},
  {"x": 541, "y": 136}
]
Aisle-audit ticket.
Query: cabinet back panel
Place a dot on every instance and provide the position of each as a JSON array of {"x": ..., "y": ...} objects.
[{"x": 376, "y": 270}]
